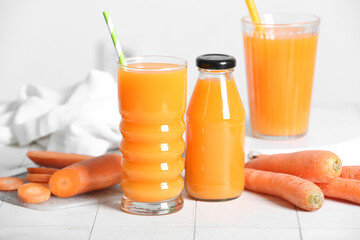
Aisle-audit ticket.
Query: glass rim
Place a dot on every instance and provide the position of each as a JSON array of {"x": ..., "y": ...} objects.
[
  {"x": 316, "y": 20},
  {"x": 140, "y": 59}
]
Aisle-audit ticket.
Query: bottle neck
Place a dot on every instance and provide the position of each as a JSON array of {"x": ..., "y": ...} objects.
[{"x": 215, "y": 74}]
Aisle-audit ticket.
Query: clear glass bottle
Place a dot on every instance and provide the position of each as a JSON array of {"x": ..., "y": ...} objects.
[{"x": 214, "y": 167}]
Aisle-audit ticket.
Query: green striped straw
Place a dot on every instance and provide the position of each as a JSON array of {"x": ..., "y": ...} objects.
[{"x": 114, "y": 38}]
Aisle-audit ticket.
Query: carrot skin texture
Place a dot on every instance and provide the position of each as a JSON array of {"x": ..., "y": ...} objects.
[
  {"x": 351, "y": 172},
  {"x": 55, "y": 159},
  {"x": 89, "y": 175},
  {"x": 42, "y": 170},
  {"x": 38, "y": 177},
  {"x": 300, "y": 192},
  {"x": 314, "y": 165},
  {"x": 342, "y": 188}
]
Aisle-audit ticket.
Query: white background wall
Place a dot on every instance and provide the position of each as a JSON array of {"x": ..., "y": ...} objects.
[{"x": 55, "y": 43}]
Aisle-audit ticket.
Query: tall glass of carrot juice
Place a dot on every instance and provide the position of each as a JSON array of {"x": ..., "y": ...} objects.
[
  {"x": 152, "y": 102},
  {"x": 280, "y": 61}
]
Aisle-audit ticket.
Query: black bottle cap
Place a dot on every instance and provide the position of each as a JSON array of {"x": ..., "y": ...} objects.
[{"x": 215, "y": 61}]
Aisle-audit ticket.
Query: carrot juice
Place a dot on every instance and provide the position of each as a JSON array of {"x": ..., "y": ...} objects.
[
  {"x": 215, "y": 136},
  {"x": 152, "y": 101},
  {"x": 280, "y": 63}
]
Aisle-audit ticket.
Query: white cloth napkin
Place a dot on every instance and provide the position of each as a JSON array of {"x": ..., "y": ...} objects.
[{"x": 82, "y": 119}]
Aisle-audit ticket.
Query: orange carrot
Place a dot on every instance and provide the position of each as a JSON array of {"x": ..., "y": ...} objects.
[
  {"x": 351, "y": 172},
  {"x": 313, "y": 165},
  {"x": 33, "y": 193},
  {"x": 39, "y": 178},
  {"x": 10, "y": 183},
  {"x": 55, "y": 159},
  {"x": 342, "y": 188},
  {"x": 42, "y": 170},
  {"x": 300, "y": 192},
  {"x": 89, "y": 175}
]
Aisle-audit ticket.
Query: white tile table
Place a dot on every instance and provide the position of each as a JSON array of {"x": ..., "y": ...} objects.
[{"x": 251, "y": 216}]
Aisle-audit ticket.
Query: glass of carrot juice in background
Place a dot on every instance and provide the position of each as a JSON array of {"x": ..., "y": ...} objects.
[
  {"x": 280, "y": 61},
  {"x": 152, "y": 102}
]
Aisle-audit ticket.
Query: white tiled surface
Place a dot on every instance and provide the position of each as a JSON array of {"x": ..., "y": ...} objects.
[
  {"x": 210, "y": 233},
  {"x": 334, "y": 214},
  {"x": 246, "y": 213},
  {"x": 140, "y": 232},
  {"x": 80, "y": 216},
  {"x": 252, "y": 216},
  {"x": 44, "y": 232},
  {"x": 331, "y": 234}
]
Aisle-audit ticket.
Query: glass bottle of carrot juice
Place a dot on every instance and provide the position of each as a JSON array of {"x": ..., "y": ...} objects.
[{"x": 214, "y": 167}]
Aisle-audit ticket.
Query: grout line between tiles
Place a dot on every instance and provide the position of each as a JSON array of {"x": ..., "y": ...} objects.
[
  {"x": 93, "y": 224},
  {"x": 195, "y": 219},
  {"x": 253, "y": 227},
  {"x": 300, "y": 230}
]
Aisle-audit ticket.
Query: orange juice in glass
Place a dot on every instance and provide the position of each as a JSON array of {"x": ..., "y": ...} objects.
[
  {"x": 152, "y": 102},
  {"x": 280, "y": 60}
]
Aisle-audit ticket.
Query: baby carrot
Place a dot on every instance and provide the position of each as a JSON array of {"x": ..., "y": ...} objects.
[
  {"x": 42, "y": 170},
  {"x": 300, "y": 192},
  {"x": 342, "y": 188},
  {"x": 89, "y": 175},
  {"x": 10, "y": 183},
  {"x": 55, "y": 159},
  {"x": 313, "y": 165},
  {"x": 352, "y": 172},
  {"x": 33, "y": 193},
  {"x": 37, "y": 177}
]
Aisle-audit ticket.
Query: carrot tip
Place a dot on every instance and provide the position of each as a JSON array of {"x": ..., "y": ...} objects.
[
  {"x": 316, "y": 200},
  {"x": 337, "y": 165}
]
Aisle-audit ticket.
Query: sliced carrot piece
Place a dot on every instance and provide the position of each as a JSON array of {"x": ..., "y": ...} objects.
[
  {"x": 42, "y": 170},
  {"x": 10, "y": 183},
  {"x": 33, "y": 193},
  {"x": 39, "y": 178},
  {"x": 55, "y": 159}
]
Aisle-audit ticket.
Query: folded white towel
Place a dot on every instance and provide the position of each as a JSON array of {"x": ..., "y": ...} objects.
[{"x": 81, "y": 119}]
